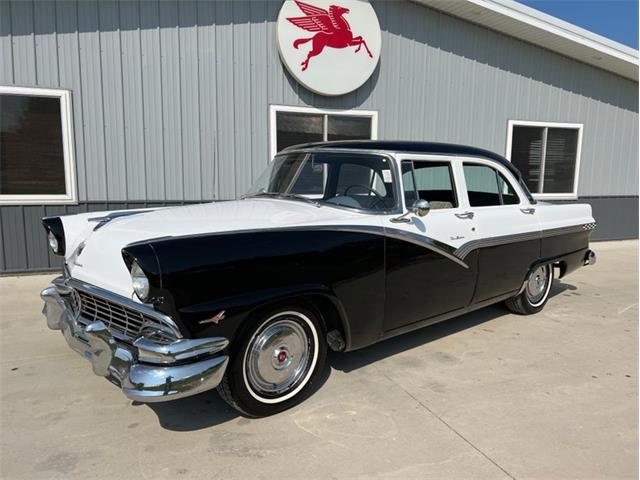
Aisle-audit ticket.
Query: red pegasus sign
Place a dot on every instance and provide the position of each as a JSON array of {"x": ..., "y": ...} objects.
[{"x": 333, "y": 30}]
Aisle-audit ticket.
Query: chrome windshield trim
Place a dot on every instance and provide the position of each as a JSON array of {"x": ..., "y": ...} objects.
[
  {"x": 66, "y": 283},
  {"x": 389, "y": 155}
]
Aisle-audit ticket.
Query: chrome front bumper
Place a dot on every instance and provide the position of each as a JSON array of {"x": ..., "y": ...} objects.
[{"x": 147, "y": 371}]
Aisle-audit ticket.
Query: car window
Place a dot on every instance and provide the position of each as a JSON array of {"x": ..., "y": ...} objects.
[
  {"x": 431, "y": 181},
  {"x": 487, "y": 187},
  {"x": 311, "y": 179},
  {"x": 408, "y": 183},
  {"x": 358, "y": 179},
  {"x": 509, "y": 195},
  {"x": 350, "y": 180}
]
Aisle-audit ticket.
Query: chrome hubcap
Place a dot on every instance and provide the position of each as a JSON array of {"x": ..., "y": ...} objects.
[
  {"x": 536, "y": 285},
  {"x": 278, "y": 358}
]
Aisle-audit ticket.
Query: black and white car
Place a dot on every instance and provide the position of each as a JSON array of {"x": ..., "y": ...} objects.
[{"x": 338, "y": 245}]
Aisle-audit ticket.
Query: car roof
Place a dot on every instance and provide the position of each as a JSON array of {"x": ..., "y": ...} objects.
[{"x": 413, "y": 147}]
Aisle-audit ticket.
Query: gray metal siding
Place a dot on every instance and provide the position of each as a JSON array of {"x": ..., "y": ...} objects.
[{"x": 171, "y": 99}]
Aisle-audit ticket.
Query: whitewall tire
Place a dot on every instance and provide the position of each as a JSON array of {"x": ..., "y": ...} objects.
[
  {"x": 277, "y": 363},
  {"x": 535, "y": 291}
]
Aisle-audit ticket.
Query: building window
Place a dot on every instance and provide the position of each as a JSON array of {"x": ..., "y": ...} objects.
[
  {"x": 36, "y": 146},
  {"x": 547, "y": 155},
  {"x": 296, "y": 125}
]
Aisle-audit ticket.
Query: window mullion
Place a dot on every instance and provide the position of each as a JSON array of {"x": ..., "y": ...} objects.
[{"x": 543, "y": 158}]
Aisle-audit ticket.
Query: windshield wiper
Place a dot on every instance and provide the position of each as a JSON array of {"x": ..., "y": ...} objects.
[{"x": 292, "y": 196}]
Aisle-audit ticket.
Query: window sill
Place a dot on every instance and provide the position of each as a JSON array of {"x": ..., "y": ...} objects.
[
  {"x": 555, "y": 196},
  {"x": 37, "y": 200}
]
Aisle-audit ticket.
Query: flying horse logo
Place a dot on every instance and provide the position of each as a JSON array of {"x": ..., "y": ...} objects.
[{"x": 333, "y": 30}]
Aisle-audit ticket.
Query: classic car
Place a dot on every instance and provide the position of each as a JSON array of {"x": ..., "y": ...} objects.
[{"x": 337, "y": 245}]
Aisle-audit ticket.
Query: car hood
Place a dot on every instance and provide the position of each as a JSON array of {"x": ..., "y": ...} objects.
[{"x": 95, "y": 240}]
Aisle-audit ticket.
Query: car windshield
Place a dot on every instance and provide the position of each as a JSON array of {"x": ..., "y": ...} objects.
[{"x": 357, "y": 181}]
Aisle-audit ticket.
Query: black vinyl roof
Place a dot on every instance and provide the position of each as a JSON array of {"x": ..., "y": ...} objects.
[{"x": 414, "y": 147}]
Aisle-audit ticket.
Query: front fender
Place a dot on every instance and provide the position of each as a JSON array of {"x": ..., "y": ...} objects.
[
  {"x": 231, "y": 315},
  {"x": 237, "y": 272}
]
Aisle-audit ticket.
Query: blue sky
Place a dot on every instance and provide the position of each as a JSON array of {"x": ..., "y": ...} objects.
[{"x": 615, "y": 19}]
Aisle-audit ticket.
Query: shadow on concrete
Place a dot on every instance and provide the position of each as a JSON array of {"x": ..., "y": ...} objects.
[
  {"x": 208, "y": 409},
  {"x": 204, "y": 410},
  {"x": 347, "y": 362}
]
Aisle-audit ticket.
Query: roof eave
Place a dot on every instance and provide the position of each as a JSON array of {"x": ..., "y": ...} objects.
[{"x": 530, "y": 25}]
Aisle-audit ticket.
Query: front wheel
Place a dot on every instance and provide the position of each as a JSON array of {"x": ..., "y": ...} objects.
[
  {"x": 535, "y": 292},
  {"x": 277, "y": 363}
]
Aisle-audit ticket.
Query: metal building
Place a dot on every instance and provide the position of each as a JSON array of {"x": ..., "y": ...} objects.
[{"x": 111, "y": 105}]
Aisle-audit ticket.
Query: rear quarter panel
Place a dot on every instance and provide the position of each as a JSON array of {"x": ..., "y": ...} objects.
[{"x": 564, "y": 228}]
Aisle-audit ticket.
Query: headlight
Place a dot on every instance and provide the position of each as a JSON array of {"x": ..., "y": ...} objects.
[
  {"x": 53, "y": 242},
  {"x": 139, "y": 281}
]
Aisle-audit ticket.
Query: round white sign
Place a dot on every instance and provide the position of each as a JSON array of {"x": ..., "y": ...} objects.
[{"x": 330, "y": 46}]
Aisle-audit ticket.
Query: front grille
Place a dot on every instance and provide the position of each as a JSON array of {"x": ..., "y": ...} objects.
[{"x": 119, "y": 319}]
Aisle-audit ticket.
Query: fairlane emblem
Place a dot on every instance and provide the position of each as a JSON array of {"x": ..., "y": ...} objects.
[{"x": 215, "y": 319}]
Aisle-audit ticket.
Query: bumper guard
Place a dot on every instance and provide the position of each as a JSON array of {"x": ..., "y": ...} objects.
[{"x": 147, "y": 371}]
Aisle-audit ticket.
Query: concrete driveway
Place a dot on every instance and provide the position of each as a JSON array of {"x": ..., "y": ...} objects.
[{"x": 487, "y": 395}]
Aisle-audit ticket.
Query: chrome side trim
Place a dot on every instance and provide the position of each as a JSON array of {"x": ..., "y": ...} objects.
[
  {"x": 396, "y": 233},
  {"x": 102, "y": 221},
  {"x": 468, "y": 247},
  {"x": 417, "y": 239}
]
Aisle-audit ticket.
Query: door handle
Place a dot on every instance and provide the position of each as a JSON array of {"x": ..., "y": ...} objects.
[
  {"x": 528, "y": 211},
  {"x": 468, "y": 215}
]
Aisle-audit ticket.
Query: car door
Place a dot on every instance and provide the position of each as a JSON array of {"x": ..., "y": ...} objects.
[
  {"x": 507, "y": 227},
  {"x": 424, "y": 277}
]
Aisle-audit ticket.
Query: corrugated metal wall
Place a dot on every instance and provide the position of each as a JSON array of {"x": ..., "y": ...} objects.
[{"x": 170, "y": 99}]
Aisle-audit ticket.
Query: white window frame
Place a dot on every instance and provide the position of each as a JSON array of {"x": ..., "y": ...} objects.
[
  {"x": 273, "y": 131},
  {"x": 71, "y": 195},
  {"x": 575, "y": 126}
]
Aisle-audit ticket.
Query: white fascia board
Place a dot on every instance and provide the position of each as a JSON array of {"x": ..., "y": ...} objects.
[{"x": 520, "y": 21}]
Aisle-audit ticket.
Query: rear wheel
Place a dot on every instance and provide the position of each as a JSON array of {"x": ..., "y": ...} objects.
[
  {"x": 277, "y": 364},
  {"x": 535, "y": 292}
]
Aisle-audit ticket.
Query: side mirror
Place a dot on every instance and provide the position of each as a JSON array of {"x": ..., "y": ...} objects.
[{"x": 420, "y": 208}]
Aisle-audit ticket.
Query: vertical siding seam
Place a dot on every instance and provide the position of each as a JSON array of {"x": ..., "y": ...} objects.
[
  {"x": 55, "y": 37},
  {"x": 252, "y": 135},
  {"x": 197, "y": 25},
  {"x": 104, "y": 126},
  {"x": 81, "y": 101},
  {"x": 216, "y": 168},
  {"x": 164, "y": 166},
  {"x": 3, "y": 243},
  {"x": 144, "y": 136},
  {"x": 233, "y": 96},
  {"x": 24, "y": 237},
  {"x": 33, "y": 38},
  {"x": 13, "y": 57},
  {"x": 124, "y": 115},
  {"x": 181, "y": 103}
]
